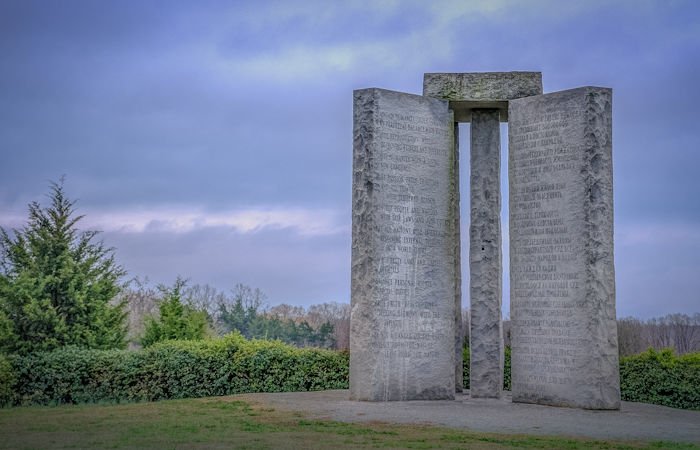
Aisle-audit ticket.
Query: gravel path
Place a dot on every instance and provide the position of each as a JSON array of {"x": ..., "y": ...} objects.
[{"x": 634, "y": 421}]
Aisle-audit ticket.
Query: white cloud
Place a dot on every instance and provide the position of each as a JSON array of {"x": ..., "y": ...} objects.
[
  {"x": 306, "y": 222},
  {"x": 313, "y": 61}
]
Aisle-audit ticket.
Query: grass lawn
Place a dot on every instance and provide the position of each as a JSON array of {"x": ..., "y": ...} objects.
[{"x": 227, "y": 422}]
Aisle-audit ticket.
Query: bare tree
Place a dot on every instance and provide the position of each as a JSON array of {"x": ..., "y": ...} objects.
[
  {"x": 659, "y": 333},
  {"x": 685, "y": 331},
  {"x": 630, "y": 335},
  {"x": 680, "y": 332},
  {"x": 338, "y": 315},
  {"x": 141, "y": 301},
  {"x": 204, "y": 297},
  {"x": 250, "y": 298},
  {"x": 342, "y": 327},
  {"x": 694, "y": 338},
  {"x": 287, "y": 312}
]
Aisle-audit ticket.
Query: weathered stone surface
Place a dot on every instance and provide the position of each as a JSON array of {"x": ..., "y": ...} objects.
[
  {"x": 459, "y": 337},
  {"x": 479, "y": 90},
  {"x": 485, "y": 269},
  {"x": 564, "y": 335},
  {"x": 402, "y": 320},
  {"x": 482, "y": 86}
]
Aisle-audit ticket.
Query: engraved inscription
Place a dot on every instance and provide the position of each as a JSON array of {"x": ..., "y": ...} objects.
[
  {"x": 563, "y": 336},
  {"x": 403, "y": 276},
  {"x": 412, "y": 225},
  {"x": 546, "y": 252}
]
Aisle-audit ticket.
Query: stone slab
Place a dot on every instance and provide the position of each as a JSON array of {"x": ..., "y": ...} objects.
[
  {"x": 459, "y": 337},
  {"x": 472, "y": 90},
  {"x": 402, "y": 318},
  {"x": 564, "y": 334},
  {"x": 485, "y": 265}
]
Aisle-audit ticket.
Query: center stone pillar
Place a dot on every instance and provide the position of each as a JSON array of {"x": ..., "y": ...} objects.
[
  {"x": 482, "y": 99},
  {"x": 485, "y": 268}
]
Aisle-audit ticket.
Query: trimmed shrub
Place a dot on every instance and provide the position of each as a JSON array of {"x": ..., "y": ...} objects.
[
  {"x": 661, "y": 378},
  {"x": 175, "y": 369},
  {"x": 232, "y": 365}
]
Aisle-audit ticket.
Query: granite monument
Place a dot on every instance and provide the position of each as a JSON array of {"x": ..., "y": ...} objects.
[{"x": 406, "y": 340}]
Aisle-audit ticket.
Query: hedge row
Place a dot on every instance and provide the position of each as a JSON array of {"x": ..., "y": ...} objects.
[
  {"x": 174, "y": 369},
  {"x": 661, "y": 378},
  {"x": 232, "y": 364}
]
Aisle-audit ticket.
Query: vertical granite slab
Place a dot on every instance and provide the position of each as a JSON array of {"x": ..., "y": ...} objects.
[
  {"x": 402, "y": 320},
  {"x": 564, "y": 334},
  {"x": 485, "y": 268},
  {"x": 459, "y": 337}
]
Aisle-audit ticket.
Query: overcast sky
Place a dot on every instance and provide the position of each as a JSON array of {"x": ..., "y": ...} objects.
[{"x": 214, "y": 139}]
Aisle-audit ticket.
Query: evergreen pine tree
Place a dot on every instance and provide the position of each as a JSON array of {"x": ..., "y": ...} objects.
[
  {"x": 176, "y": 321},
  {"x": 56, "y": 283},
  {"x": 325, "y": 335}
]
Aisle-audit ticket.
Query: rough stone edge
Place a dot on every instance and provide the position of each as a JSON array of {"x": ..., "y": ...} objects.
[
  {"x": 365, "y": 105},
  {"x": 451, "y": 86},
  {"x": 600, "y": 269}
]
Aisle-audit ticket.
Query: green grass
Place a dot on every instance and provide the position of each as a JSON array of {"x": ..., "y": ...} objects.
[{"x": 227, "y": 422}]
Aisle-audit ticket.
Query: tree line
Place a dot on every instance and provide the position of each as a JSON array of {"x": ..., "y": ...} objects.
[
  {"x": 680, "y": 332},
  {"x": 60, "y": 286},
  {"x": 205, "y": 311}
]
